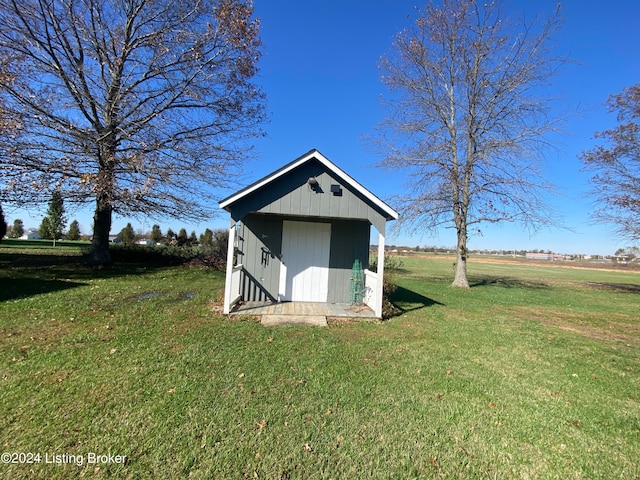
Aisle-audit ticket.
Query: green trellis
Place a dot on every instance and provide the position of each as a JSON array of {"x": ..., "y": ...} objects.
[{"x": 356, "y": 293}]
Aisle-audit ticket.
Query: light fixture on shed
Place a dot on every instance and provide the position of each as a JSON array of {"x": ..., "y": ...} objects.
[{"x": 314, "y": 185}]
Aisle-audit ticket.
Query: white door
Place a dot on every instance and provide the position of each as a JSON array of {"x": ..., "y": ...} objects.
[{"x": 304, "y": 271}]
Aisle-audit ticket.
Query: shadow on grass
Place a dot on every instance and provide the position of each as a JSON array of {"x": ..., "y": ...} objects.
[
  {"x": 25, "y": 274},
  {"x": 16, "y": 288},
  {"x": 407, "y": 300},
  {"x": 46, "y": 267},
  {"x": 74, "y": 265},
  {"x": 507, "y": 282}
]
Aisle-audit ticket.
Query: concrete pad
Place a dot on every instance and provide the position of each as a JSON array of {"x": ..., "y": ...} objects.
[{"x": 294, "y": 320}]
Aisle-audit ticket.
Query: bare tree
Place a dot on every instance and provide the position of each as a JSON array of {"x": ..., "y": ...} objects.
[
  {"x": 468, "y": 114},
  {"x": 139, "y": 105},
  {"x": 616, "y": 166}
]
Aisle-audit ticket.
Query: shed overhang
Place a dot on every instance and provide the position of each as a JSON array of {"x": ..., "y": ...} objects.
[{"x": 241, "y": 200}]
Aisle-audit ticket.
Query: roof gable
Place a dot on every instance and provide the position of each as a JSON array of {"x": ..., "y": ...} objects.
[{"x": 311, "y": 156}]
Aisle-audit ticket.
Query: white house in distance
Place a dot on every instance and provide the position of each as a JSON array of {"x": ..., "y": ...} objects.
[{"x": 31, "y": 234}]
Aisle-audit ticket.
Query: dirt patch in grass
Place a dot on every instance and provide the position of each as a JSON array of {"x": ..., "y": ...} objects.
[
  {"x": 217, "y": 308},
  {"x": 602, "y": 335},
  {"x": 615, "y": 287},
  {"x": 611, "y": 332},
  {"x": 40, "y": 334}
]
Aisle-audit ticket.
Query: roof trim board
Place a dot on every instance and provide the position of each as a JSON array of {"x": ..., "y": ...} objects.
[{"x": 389, "y": 212}]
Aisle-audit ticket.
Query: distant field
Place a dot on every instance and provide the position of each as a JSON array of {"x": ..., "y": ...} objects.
[
  {"x": 61, "y": 245},
  {"x": 532, "y": 373},
  {"x": 474, "y": 258}
]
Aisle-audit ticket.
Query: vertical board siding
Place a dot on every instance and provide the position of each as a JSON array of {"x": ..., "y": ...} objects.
[
  {"x": 349, "y": 241},
  {"x": 260, "y": 282},
  {"x": 291, "y": 195}
]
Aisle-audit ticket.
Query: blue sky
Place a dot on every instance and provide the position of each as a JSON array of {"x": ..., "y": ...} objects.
[{"x": 319, "y": 71}]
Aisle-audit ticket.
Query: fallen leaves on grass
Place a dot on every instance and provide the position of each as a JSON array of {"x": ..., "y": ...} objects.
[
  {"x": 307, "y": 448},
  {"x": 434, "y": 464},
  {"x": 466, "y": 452}
]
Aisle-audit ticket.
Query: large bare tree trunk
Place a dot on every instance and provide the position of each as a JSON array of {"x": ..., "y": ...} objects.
[
  {"x": 460, "y": 279},
  {"x": 99, "y": 255}
]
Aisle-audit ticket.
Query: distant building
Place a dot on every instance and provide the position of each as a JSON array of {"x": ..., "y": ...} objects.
[
  {"x": 623, "y": 259},
  {"x": 544, "y": 256},
  {"x": 31, "y": 234}
]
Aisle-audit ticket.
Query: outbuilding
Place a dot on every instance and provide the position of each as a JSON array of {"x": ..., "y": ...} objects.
[
  {"x": 300, "y": 233},
  {"x": 31, "y": 234}
]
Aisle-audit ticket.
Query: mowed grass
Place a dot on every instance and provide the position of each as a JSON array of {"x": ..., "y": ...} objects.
[{"x": 532, "y": 373}]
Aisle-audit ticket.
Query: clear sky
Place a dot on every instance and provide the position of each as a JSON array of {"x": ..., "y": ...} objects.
[{"x": 319, "y": 71}]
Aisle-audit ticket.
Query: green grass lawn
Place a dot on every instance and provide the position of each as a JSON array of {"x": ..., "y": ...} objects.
[{"x": 532, "y": 373}]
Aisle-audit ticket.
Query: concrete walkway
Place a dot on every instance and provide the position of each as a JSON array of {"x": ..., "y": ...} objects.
[
  {"x": 294, "y": 320},
  {"x": 301, "y": 313},
  {"x": 303, "y": 309}
]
